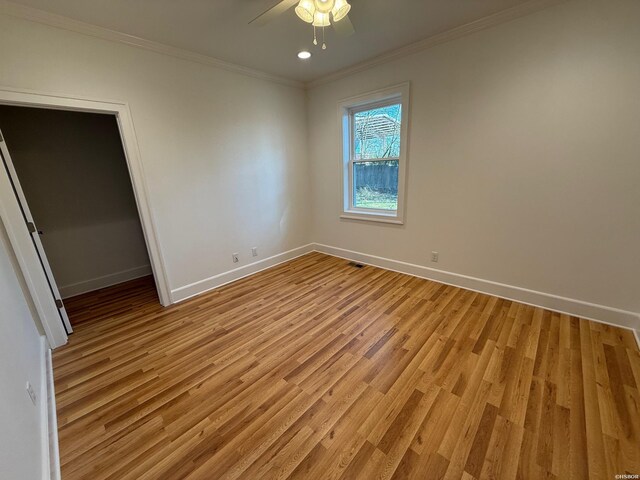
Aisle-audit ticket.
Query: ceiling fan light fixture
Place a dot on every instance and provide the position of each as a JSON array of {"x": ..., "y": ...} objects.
[
  {"x": 305, "y": 10},
  {"x": 319, "y": 13},
  {"x": 340, "y": 10},
  {"x": 321, "y": 19},
  {"x": 324, "y": 6}
]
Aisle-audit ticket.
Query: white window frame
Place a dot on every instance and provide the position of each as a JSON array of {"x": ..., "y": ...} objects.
[{"x": 346, "y": 110}]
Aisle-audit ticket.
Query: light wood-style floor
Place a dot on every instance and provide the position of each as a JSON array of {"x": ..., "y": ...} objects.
[{"x": 316, "y": 370}]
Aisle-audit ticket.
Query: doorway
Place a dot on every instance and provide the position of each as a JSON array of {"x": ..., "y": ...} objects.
[
  {"x": 70, "y": 175},
  {"x": 75, "y": 187}
]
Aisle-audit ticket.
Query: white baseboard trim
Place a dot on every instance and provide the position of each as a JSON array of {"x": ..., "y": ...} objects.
[
  {"x": 182, "y": 293},
  {"x": 44, "y": 409},
  {"x": 48, "y": 417},
  {"x": 92, "y": 284},
  {"x": 578, "y": 308}
]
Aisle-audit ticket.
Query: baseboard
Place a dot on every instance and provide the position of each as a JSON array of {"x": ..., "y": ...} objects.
[
  {"x": 182, "y": 293},
  {"x": 48, "y": 418},
  {"x": 97, "y": 283},
  {"x": 579, "y": 308}
]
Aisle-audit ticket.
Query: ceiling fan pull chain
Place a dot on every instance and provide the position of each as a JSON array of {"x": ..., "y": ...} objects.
[
  {"x": 324, "y": 45},
  {"x": 315, "y": 40}
]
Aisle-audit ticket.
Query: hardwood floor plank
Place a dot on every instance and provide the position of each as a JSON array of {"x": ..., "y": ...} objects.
[
  {"x": 595, "y": 444},
  {"x": 315, "y": 369}
]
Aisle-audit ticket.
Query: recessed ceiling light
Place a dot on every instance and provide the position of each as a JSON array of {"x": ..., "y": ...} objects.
[{"x": 304, "y": 55}]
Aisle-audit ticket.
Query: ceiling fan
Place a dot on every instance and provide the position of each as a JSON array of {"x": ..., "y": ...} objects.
[{"x": 318, "y": 13}]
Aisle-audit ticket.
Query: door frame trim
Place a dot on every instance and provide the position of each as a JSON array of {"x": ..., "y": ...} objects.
[{"x": 17, "y": 231}]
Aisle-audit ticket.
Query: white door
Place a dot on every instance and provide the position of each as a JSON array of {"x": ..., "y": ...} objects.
[{"x": 35, "y": 233}]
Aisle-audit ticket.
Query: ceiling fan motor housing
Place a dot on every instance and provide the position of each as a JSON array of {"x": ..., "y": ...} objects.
[{"x": 324, "y": 6}]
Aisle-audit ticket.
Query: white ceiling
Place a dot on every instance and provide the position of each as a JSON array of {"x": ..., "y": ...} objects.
[{"x": 220, "y": 29}]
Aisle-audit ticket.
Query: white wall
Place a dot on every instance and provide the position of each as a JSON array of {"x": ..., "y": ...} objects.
[
  {"x": 523, "y": 165},
  {"x": 20, "y": 361},
  {"x": 74, "y": 174},
  {"x": 523, "y": 155},
  {"x": 224, "y": 154},
  {"x": 522, "y": 158}
]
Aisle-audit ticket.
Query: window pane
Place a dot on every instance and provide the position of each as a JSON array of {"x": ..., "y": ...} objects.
[
  {"x": 377, "y": 133},
  {"x": 375, "y": 185}
]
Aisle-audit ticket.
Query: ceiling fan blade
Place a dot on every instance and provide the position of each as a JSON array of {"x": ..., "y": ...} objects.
[
  {"x": 344, "y": 27},
  {"x": 273, "y": 12}
]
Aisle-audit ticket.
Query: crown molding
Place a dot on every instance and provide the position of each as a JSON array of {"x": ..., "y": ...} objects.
[
  {"x": 443, "y": 37},
  {"x": 59, "y": 21}
]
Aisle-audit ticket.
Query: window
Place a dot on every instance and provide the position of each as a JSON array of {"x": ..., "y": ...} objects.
[{"x": 374, "y": 137}]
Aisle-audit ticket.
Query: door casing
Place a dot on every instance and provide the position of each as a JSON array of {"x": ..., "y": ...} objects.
[{"x": 18, "y": 233}]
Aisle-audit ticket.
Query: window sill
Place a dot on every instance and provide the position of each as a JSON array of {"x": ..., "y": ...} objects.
[{"x": 372, "y": 217}]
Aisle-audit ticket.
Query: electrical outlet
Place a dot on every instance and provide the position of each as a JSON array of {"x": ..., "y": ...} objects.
[
  {"x": 254, "y": 251},
  {"x": 235, "y": 257},
  {"x": 32, "y": 393},
  {"x": 435, "y": 256}
]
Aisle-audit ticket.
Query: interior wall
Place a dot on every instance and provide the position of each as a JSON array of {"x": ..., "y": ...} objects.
[
  {"x": 224, "y": 154},
  {"x": 20, "y": 362},
  {"x": 522, "y": 151},
  {"x": 73, "y": 171},
  {"x": 523, "y": 155}
]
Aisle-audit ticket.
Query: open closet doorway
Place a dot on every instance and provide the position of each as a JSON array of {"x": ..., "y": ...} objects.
[{"x": 70, "y": 176}]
